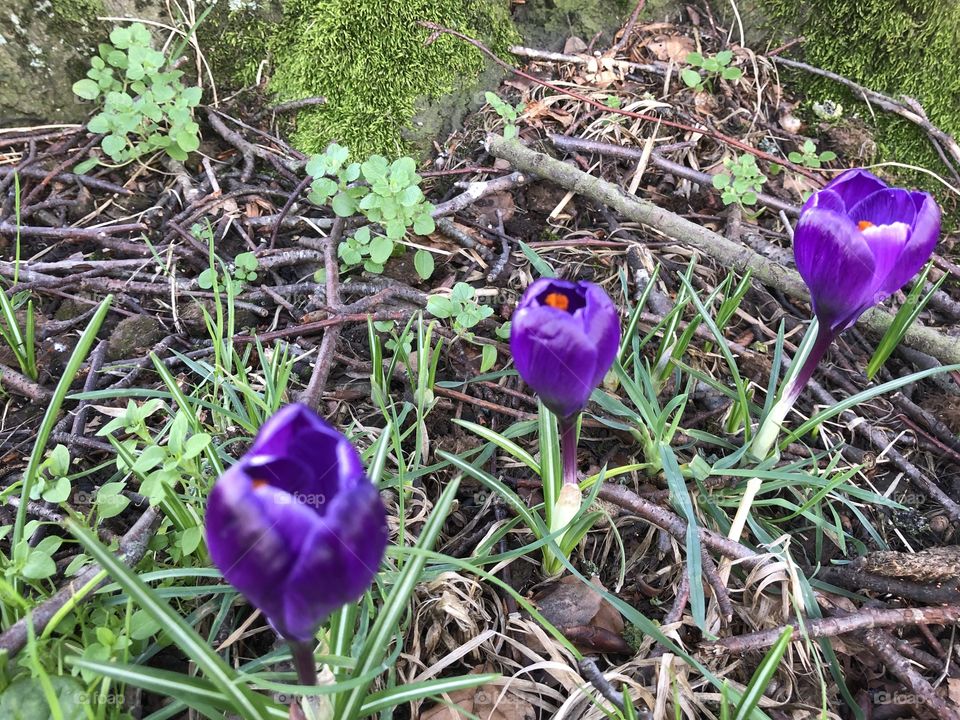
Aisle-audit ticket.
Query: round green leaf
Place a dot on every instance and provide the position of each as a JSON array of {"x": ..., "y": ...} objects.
[
  {"x": 423, "y": 264},
  {"x": 381, "y": 249}
]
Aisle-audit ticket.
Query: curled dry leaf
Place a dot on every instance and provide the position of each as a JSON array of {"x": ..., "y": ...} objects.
[
  {"x": 590, "y": 622},
  {"x": 486, "y": 702},
  {"x": 670, "y": 48}
]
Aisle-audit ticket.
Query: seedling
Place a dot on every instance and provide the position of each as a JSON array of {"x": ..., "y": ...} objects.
[
  {"x": 509, "y": 113},
  {"x": 744, "y": 182},
  {"x": 809, "y": 156},
  {"x": 716, "y": 67},
  {"x": 145, "y": 109}
]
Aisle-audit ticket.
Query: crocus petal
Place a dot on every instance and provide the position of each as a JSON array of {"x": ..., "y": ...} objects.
[
  {"x": 837, "y": 265},
  {"x": 885, "y": 207},
  {"x": 338, "y": 562},
  {"x": 826, "y": 200},
  {"x": 290, "y": 439},
  {"x": 602, "y": 325},
  {"x": 851, "y": 186},
  {"x": 554, "y": 356},
  {"x": 255, "y": 535},
  {"x": 886, "y": 242},
  {"x": 919, "y": 246}
]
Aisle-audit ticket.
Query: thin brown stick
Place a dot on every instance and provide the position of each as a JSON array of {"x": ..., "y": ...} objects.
[
  {"x": 867, "y": 618},
  {"x": 627, "y": 30},
  {"x": 673, "y": 524},
  {"x": 321, "y": 368},
  {"x": 22, "y": 385},
  {"x": 720, "y": 137},
  {"x": 883, "y": 645},
  {"x": 565, "y": 142}
]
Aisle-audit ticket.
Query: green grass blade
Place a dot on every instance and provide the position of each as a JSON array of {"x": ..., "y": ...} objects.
[
  {"x": 385, "y": 627},
  {"x": 53, "y": 410},
  {"x": 184, "y": 636},
  {"x": 392, "y": 697},
  {"x": 501, "y": 442}
]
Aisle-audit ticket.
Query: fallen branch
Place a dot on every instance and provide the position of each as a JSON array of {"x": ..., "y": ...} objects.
[
  {"x": 865, "y": 619},
  {"x": 882, "y": 644},
  {"x": 730, "y": 254}
]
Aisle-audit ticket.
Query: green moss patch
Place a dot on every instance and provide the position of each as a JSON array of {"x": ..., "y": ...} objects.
[
  {"x": 368, "y": 58},
  {"x": 898, "y": 47}
]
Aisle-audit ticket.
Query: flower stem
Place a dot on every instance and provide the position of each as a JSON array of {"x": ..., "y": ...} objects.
[
  {"x": 568, "y": 448},
  {"x": 769, "y": 430},
  {"x": 304, "y": 661}
]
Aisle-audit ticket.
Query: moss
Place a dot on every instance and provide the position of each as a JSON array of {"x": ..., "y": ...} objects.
[
  {"x": 898, "y": 47},
  {"x": 78, "y": 12},
  {"x": 236, "y": 42},
  {"x": 368, "y": 58},
  {"x": 548, "y": 23}
]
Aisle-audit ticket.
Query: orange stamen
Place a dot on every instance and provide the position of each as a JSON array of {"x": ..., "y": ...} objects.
[
  {"x": 558, "y": 301},
  {"x": 864, "y": 224},
  {"x": 257, "y": 484}
]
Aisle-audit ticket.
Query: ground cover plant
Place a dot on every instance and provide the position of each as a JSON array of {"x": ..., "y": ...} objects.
[{"x": 638, "y": 398}]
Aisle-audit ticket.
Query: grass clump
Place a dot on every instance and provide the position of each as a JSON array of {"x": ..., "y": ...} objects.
[{"x": 369, "y": 60}]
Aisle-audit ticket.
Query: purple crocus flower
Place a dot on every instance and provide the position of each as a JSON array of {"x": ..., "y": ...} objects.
[
  {"x": 564, "y": 337},
  {"x": 857, "y": 242},
  {"x": 295, "y": 525}
]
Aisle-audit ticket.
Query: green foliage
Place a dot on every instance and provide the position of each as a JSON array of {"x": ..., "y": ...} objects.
[
  {"x": 716, "y": 68},
  {"x": 387, "y": 194},
  {"x": 893, "y": 46},
  {"x": 508, "y": 112},
  {"x": 809, "y": 157},
  {"x": 145, "y": 108},
  {"x": 743, "y": 183},
  {"x": 460, "y": 306},
  {"x": 376, "y": 64}
]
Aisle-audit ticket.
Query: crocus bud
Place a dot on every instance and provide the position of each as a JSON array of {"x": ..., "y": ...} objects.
[
  {"x": 295, "y": 525},
  {"x": 564, "y": 337}
]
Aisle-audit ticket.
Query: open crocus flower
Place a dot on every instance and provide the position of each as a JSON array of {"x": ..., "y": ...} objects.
[
  {"x": 564, "y": 337},
  {"x": 295, "y": 525},
  {"x": 857, "y": 242}
]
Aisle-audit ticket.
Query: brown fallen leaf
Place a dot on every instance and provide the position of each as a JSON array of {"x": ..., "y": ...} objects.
[
  {"x": 671, "y": 48},
  {"x": 486, "y": 702},
  {"x": 590, "y": 622}
]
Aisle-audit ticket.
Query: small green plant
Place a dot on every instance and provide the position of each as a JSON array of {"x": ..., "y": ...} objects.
[
  {"x": 809, "y": 156},
  {"x": 744, "y": 182},
  {"x": 460, "y": 306},
  {"x": 716, "y": 67},
  {"x": 509, "y": 113},
  {"x": 389, "y": 196},
  {"x": 145, "y": 109}
]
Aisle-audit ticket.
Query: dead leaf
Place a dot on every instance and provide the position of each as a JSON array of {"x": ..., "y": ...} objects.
[
  {"x": 488, "y": 207},
  {"x": 590, "y": 622},
  {"x": 953, "y": 690},
  {"x": 671, "y": 48},
  {"x": 487, "y": 702},
  {"x": 574, "y": 46}
]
